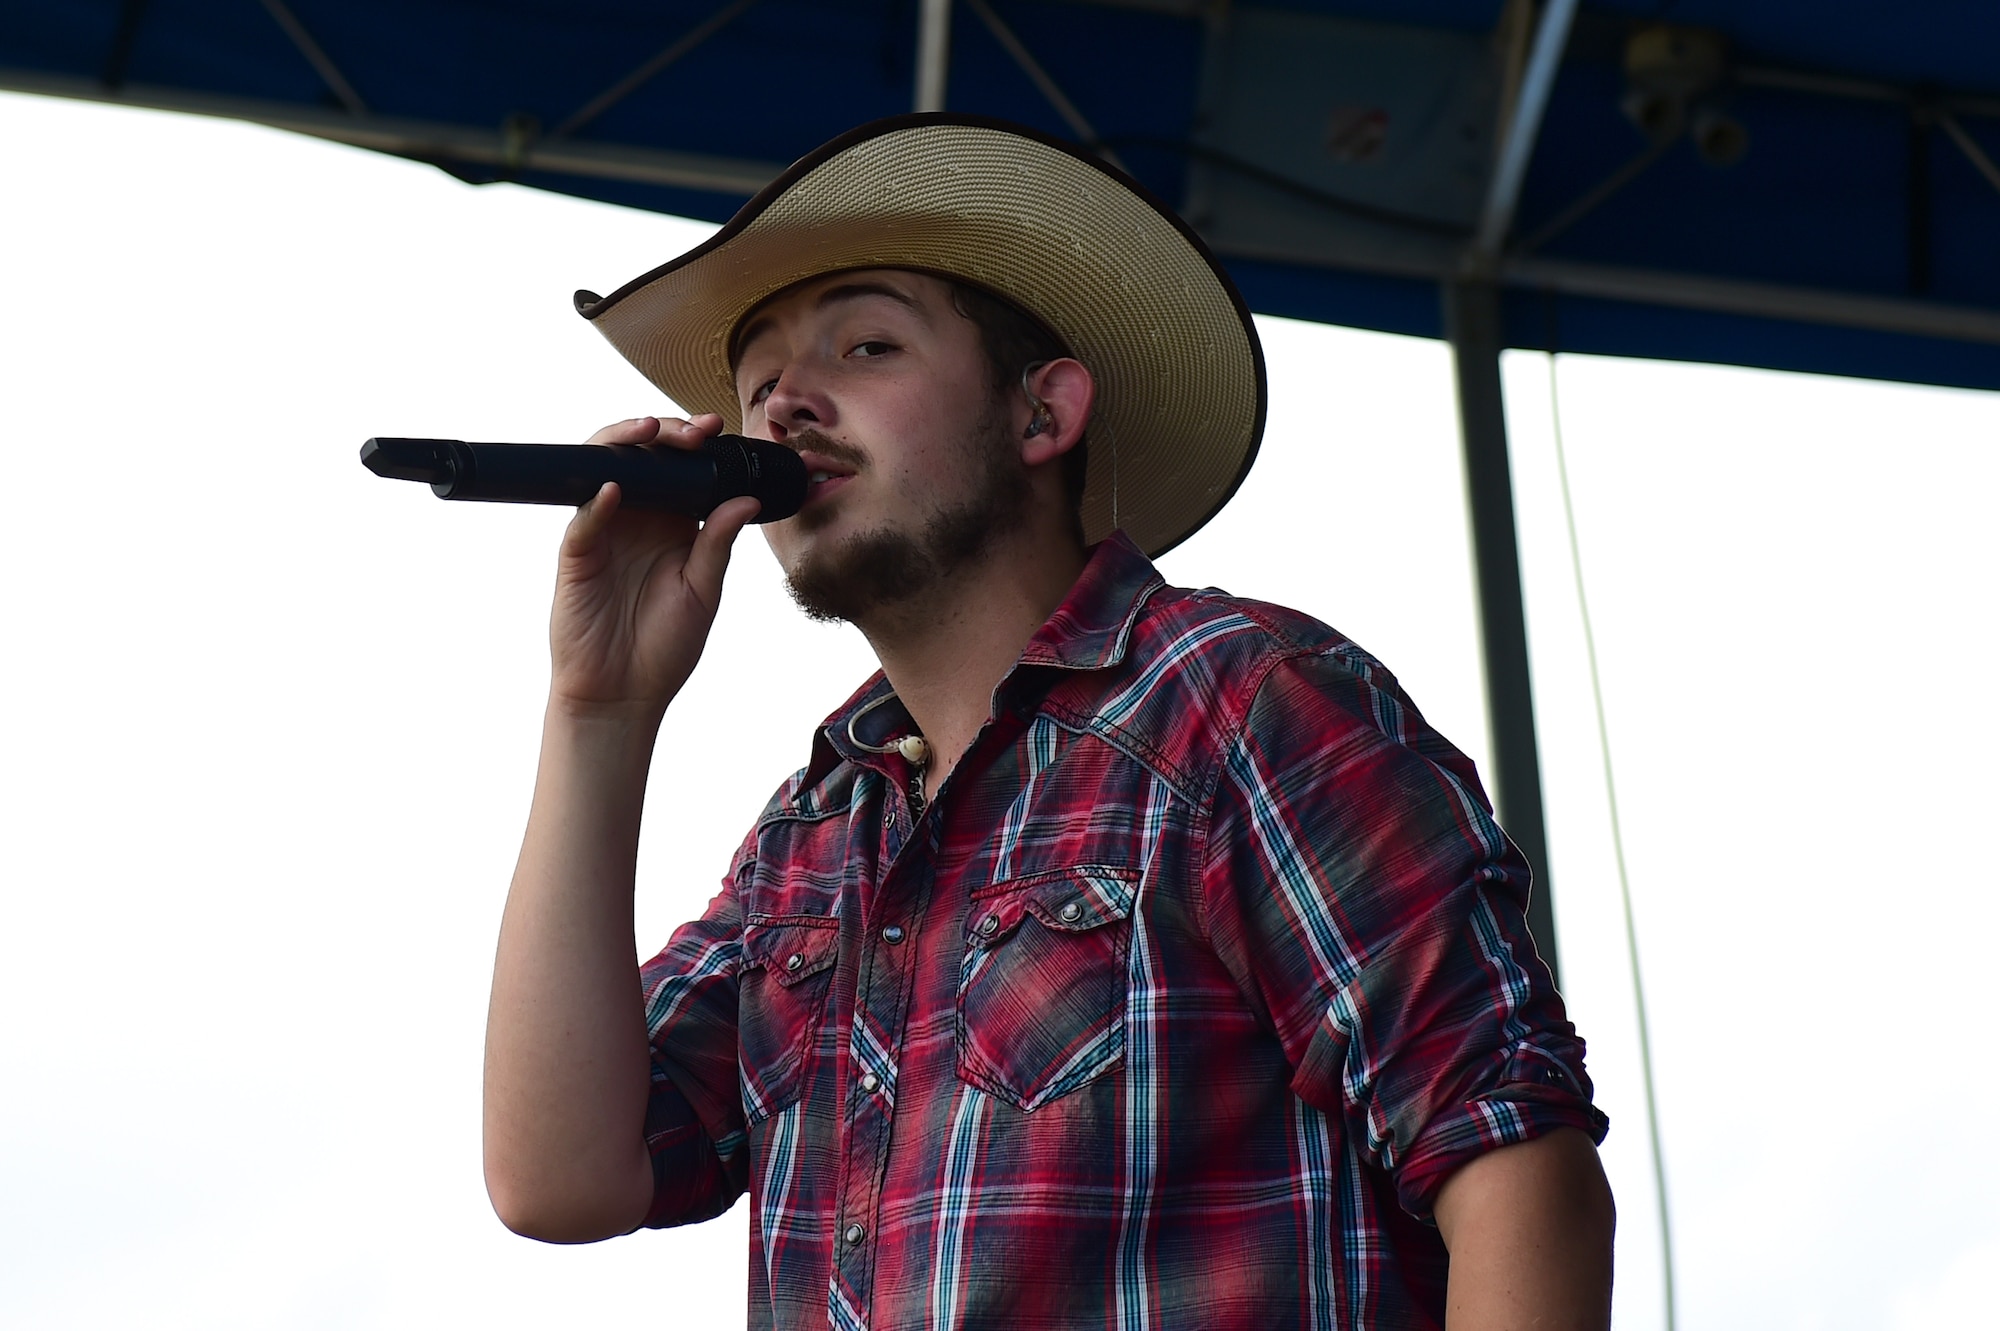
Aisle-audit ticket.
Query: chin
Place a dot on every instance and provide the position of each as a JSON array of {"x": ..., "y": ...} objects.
[{"x": 846, "y": 578}]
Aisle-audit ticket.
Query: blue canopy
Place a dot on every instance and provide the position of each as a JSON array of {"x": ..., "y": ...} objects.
[{"x": 1819, "y": 191}]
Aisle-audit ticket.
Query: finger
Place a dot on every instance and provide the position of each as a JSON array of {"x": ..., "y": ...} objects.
[
  {"x": 708, "y": 560},
  {"x": 591, "y": 520},
  {"x": 690, "y": 433},
  {"x": 638, "y": 430}
]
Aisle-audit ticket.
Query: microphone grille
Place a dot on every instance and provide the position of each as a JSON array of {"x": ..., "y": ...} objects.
[
  {"x": 771, "y": 472},
  {"x": 732, "y": 465}
]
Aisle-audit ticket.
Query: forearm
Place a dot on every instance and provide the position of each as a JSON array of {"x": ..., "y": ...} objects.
[
  {"x": 1529, "y": 1228},
  {"x": 566, "y": 1058}
]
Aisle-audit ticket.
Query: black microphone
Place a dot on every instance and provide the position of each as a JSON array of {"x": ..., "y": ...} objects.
[{"x": 688, "y": 481}]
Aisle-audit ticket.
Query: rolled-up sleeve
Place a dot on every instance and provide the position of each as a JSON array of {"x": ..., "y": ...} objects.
[
  {"x": 694, "y": 1115},
  {"x": 1358, "y": 889}
]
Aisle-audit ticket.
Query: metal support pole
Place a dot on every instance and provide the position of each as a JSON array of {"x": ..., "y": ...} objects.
[
  {"x": 1519, "y": 129},
  {"x": 1917, "y": 209},
  {"x": 1472, "y": 322},
  {"x": 933, "y": 53}
]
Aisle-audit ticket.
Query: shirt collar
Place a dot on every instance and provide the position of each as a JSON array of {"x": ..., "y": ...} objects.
[{"x": 1088, "y": 631}]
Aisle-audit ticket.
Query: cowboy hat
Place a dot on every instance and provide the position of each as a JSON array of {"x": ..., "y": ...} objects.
[{"x": 1125, "y": 284}]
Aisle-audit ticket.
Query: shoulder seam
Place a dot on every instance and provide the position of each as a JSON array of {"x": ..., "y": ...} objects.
[{"x": 1205, "y": 819}]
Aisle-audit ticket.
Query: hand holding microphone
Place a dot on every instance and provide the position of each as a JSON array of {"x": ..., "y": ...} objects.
[
  {"x": 638, "y": 583},
  {"x": 639, "y": 577}
]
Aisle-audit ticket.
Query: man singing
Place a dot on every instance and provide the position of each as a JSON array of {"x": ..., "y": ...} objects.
[{"x": 1123, "y": 956}]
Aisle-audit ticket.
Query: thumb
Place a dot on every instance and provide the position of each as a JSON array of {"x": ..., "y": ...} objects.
[{"x": 708, "y": 560}]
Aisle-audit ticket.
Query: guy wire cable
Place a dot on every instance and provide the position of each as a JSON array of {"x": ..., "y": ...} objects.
[{"x": 1618, "y": 851}]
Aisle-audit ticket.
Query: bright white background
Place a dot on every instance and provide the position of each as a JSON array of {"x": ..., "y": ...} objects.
[{"x": 268, "y": 728}]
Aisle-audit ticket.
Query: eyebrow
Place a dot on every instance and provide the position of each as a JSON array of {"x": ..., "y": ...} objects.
[{"x": 833, "y": 295}]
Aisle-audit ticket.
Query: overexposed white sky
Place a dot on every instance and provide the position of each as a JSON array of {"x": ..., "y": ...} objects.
[{"x": 268, "y": 726}]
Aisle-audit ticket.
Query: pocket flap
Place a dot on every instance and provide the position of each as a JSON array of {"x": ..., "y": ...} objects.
[
  {"x": 791, "y": 947},
  {"x": 1068, "y": 900}
]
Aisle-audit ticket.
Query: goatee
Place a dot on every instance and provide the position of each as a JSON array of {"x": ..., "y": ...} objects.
[{"x": 890, "y": 566}]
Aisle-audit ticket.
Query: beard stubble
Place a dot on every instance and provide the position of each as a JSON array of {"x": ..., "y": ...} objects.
[{"x": 891, "y": 565}]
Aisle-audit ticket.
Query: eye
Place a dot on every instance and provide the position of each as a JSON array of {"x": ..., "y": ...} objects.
[
  {"x": 762, "y": 391},
  {"x": 870, "y": 350}
]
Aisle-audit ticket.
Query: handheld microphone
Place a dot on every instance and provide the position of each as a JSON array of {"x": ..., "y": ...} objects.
[{"x": 688, "y": 481}]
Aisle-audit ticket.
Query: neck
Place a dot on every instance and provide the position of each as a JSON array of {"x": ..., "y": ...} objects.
[{"x": 946, "y": 650}]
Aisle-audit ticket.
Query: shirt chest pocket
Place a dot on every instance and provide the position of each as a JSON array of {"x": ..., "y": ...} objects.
[
  {"x": 1041, "y": 994},
  {"x": 788, "y": 963}
]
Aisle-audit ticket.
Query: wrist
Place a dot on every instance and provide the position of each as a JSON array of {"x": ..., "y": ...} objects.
[
  {"x": 599, "y": 721},
  {"x": 614, "y": 742}
]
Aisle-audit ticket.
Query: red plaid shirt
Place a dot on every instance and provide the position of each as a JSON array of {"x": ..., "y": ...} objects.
[{"x": 1203, "y": 972}]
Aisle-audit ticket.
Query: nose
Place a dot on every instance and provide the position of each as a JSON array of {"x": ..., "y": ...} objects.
[{"x": 796, "y": 402}]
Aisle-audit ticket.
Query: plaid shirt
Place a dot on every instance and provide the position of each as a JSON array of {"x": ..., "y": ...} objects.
[{"x": 1202, "y": 973}]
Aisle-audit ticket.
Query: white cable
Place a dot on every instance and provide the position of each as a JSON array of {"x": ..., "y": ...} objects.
[{"x": 1618, "y": 849}]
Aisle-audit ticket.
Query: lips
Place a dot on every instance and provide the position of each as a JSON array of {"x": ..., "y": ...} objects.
[{"x": 823, "y": 475}]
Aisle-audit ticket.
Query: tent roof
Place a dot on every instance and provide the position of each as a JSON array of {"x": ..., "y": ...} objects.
[{"x": 1337, "y": 153}]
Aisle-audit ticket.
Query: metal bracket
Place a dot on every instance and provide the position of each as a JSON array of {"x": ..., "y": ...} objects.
[
  {"x": 667, "y": 55},
  {"x": 328, "y": 71},
  {"x": 1050, "y": 90}
]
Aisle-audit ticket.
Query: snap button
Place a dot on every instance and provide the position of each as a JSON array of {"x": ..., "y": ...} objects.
[
  {"x": 893, "y": 934},
  {"x": 871, "y": 1083},
  {"x": 889, "y": 816},
  {"x": 1071, "y": 912},
  {"x": 796, "y": 960},
  {"x": 854, "y": 1234},
  {"x": 990, "y": 925}
]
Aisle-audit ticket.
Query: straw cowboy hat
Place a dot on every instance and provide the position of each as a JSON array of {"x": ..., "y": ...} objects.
[{"x": 1111, "y": 271}]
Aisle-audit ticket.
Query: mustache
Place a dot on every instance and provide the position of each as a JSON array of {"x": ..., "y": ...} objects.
[{"x": 812, "y": 441}]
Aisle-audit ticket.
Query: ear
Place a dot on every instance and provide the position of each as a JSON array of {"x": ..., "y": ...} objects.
[{"x": 1067, "y": 389}]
